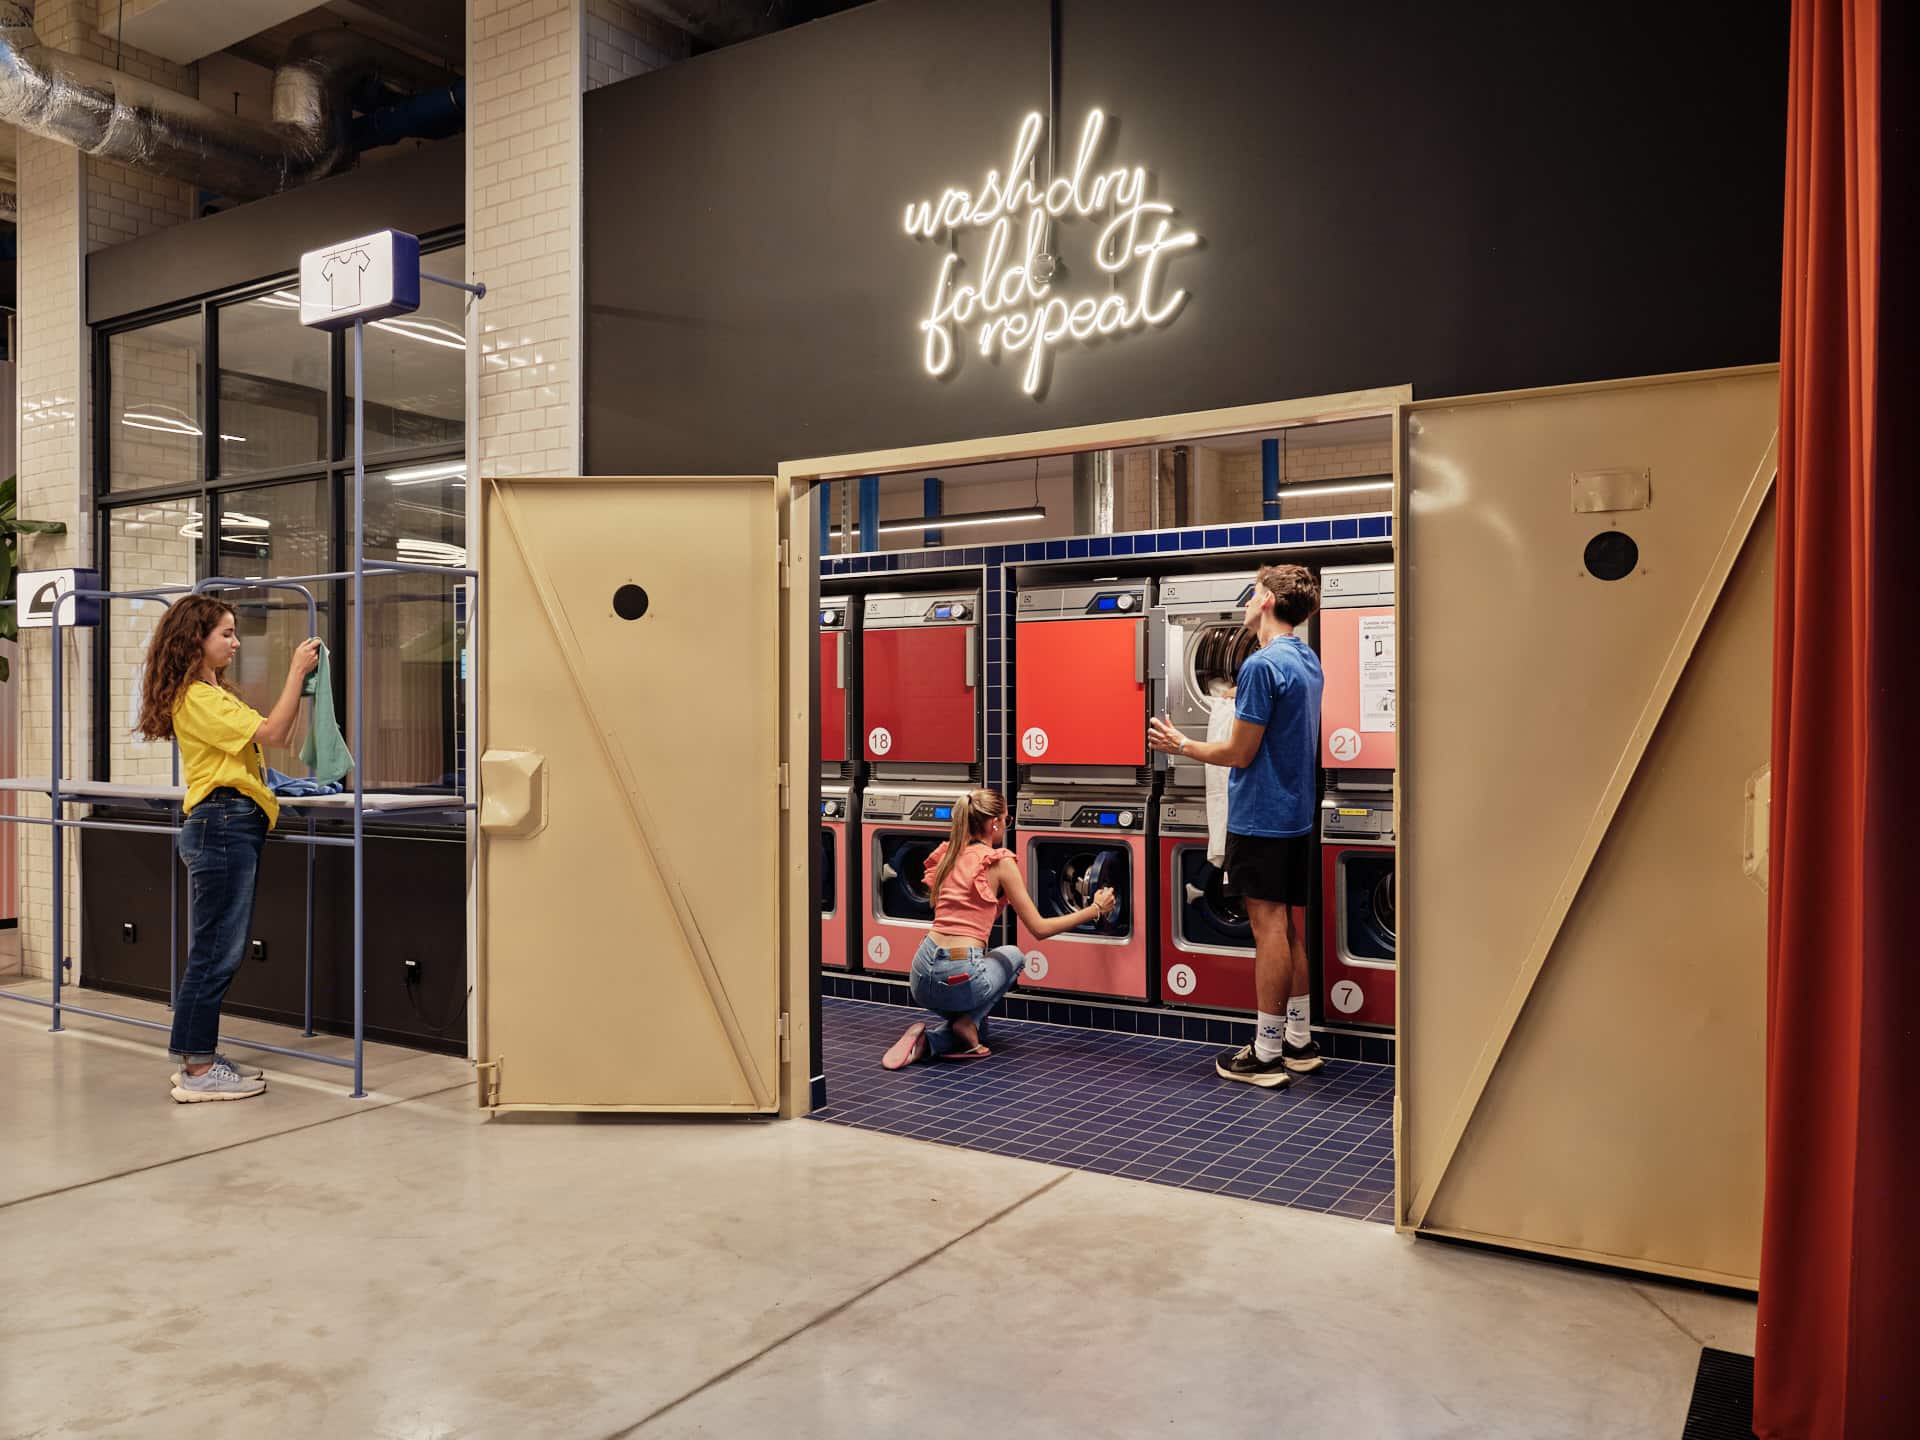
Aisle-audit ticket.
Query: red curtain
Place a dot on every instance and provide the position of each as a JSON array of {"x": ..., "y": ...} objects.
[{"x": 1839, "y": 1284}]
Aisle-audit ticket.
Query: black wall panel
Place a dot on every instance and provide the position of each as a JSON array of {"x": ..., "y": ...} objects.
[{"x": 1466, "y": 199}]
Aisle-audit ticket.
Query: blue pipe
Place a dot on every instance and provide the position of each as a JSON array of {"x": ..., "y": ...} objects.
[
  {"x": 823, "y": 502},
  {"x": 1269, "y": 479},
  {"x": 430, "y": 115},
  {"x": 869, "y": 512},
  {"x": 931, "y": 490}
]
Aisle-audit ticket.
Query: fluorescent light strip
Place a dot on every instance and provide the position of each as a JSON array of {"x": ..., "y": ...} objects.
[
  {"x": 1334, "y": 487},
  {"x": 423, "y": 473},
  {"x": 954, "y": 522}
]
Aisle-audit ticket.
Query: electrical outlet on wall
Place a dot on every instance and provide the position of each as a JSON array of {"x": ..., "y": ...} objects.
[
  {"x": 257, "y": 949},
  {"x": 411, "y": 969},
  {"x": 129, "y": 932}
]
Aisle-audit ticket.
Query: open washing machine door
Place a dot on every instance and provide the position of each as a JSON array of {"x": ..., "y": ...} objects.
[
  {"x": 900, "y": 875},
  {"x": 1071, "y": 870}
]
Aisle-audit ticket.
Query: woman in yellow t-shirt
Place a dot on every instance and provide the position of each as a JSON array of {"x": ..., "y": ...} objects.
[{"x": 185, "y": 697}]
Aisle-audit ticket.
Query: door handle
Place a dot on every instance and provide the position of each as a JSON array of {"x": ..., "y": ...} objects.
[
  {"x": 1139, "y": 652},
  {"x": 840, "y": 658},
  {"x": 513, "y": 793},
  {"x": 973, "y": 657}
]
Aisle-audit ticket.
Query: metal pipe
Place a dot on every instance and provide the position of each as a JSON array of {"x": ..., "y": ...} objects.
[
  {"x": 359, "y": 704},
  {"x": 931, "y": 497},
  {"x": 134, "y": 829},
  {"x": 307, "y": 1009},
  {"x": 59, "y": 831},
  {"x": 224, "y": 1040},
  {"x": 109, "y": 113},
  {"x": 869, "y": 512},
  {"x": 1269, "y": 479}
]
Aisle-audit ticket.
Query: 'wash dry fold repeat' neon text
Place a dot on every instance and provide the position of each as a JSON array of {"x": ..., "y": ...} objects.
[{"x": 1013, "y": 301}]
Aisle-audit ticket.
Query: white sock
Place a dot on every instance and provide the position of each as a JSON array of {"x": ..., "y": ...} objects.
[
  {"x": 1267, "y": 1033},
  {"x": 1299, "y": 1031}
]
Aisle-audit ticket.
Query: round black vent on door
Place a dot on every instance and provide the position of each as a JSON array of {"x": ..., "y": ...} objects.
[
  {"x": 1612, "y": 555},
  {"x": 629, "y": 602}
]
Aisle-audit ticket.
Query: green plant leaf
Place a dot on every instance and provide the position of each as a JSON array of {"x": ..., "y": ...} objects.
[
  {"x": 34, "y": 527},
  {"x": 4, "y": 670}
]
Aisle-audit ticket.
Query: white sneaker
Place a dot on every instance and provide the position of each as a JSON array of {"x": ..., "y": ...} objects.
[
  {"x": 219, "y": 1082},
  {"x": 245, "y": 1072}
]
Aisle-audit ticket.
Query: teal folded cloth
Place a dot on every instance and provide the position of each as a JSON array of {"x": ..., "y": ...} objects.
[{"x": 325, "y": 750}]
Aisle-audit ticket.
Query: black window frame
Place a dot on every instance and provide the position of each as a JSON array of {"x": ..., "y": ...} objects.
[{"x": 334, "y": 470}]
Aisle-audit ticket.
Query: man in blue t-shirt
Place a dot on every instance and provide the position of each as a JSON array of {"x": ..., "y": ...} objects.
[{"x": 1271, "y": 804}]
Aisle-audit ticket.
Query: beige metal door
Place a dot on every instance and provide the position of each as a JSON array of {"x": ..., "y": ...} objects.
[
  {"x": 630, "y": 936},
  {"x": 1583, "y": 941}
]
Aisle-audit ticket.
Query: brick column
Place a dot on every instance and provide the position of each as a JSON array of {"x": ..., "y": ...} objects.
[
  {"x": 528, "y": 62},
  {"x": 70, "y": 205}
]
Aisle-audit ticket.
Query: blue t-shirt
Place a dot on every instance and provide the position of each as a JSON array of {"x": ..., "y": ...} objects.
[{"x": 1279, "y": 688}]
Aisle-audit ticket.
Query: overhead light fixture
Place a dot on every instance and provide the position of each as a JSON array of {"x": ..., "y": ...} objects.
[
  {"x": 1336, "y": 487},
  {"x": 1024, "y": 515}
]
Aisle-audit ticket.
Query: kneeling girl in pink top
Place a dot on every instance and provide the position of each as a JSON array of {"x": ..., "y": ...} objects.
[{"x": 955, "y": 976}]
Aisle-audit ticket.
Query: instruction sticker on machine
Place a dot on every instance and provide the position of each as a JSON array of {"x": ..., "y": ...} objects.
[{"x": 1377, "y": 710}]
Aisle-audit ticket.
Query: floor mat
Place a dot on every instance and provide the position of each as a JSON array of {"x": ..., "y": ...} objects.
[
  {"x": 1722, "y": 1407},
  {"x": 1135, "y": 1105}
]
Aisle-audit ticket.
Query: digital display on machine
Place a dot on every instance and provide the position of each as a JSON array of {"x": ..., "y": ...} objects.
[
  {"x": 1109, "y": 817},
  {"x": 943, "y": 612},
  {"x": 1107, "y": 602},
  {"x": 943, "y": 812}
]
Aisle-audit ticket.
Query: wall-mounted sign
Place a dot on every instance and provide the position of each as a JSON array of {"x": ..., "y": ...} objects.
[
  {"x": 365, "y": 279},
  {"x": 37, "y": 591},
  {"x": 1008, "y": 304}
]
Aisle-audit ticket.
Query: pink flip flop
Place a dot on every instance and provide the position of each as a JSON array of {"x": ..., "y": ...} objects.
[
  {"x": 907, "y": 1049},
  {"x": 979, "y": 1052}
]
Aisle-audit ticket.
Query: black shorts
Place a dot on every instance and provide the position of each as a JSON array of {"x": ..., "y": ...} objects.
[{"x": 1261, "y": 867}]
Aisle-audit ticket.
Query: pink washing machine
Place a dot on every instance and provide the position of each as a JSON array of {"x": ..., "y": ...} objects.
[
  {"x": 834, "y": 874},
  {"x": 1070, "y": 846},
  {"x": 1359, "y": 960},
  {"x": 901, "y": 825}
]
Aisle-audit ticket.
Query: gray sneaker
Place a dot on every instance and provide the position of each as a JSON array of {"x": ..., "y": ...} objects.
[
  {"x": 219, "y": 1082},
  {"x": 245, "y": 1072}
]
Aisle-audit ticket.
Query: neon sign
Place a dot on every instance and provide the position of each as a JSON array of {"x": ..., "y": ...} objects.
[{"x": 1011, "y": 303}]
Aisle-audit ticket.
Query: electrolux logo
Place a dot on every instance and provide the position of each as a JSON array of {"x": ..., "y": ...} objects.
[{"x": 1011, "y": 303}]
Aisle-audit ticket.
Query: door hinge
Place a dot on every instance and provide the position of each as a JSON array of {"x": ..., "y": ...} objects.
[
  {"x": 786, "y": 564},
  {"x": 783, "y": 1036},
  {"x": 786, "y": 788},
  {"x": 486, "y": 1074}
]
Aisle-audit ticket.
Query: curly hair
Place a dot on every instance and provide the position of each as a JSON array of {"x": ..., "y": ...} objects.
[
  {"x": 175, "y": 656},
  {"x": 1296, "y": 594}
]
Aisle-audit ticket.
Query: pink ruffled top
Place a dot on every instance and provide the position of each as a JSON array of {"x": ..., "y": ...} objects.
[{"x": 969, "y": 902}]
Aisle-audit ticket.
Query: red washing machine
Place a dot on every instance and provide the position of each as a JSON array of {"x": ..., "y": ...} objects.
[
  {"x": 920, "y": 684},
  {"x": 835, "y": 692},
  {"x": 1206, "y": 940},
  {"x": 901, "y": 825},
  {"x": 835, "y": 872},
  {"x": 1358, "y": 965},
  {"x": 1080, "y": 681},
  {"x": 1070, "y": 846}
]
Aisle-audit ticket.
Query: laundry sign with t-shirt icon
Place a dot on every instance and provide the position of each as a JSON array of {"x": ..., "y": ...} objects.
[{"x": 342, "y": 272}]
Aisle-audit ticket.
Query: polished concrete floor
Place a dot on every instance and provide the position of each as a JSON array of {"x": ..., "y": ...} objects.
[{"x": 400, "y": 1266}]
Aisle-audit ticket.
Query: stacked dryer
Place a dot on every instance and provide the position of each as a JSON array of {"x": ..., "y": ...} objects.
[
  {"x": 1206, "y": 941},
  {"x": 837, "y": 873},
  {"x": 920, "y": 732},
  {"x": 1080, "y": 716},
  {"x": 1359, "y": 751}
]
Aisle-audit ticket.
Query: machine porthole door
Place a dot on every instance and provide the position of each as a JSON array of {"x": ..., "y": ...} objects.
[{"x": 630, "y": 933}]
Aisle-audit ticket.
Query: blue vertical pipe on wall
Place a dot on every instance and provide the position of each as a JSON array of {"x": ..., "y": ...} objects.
[
  {"x": 869, "y": 512},
  {"x": 1269, "y": 479},
  {"x": 823, "y": 505},
  {"x": 932, "y": 493}
]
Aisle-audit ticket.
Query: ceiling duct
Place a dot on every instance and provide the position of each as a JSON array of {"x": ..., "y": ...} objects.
[{"x": 108, "y": 113}]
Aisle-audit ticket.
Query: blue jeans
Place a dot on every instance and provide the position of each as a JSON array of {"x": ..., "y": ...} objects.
[
  {"x": 220, "y": 843},
  {"x": 968, "y": 982}
]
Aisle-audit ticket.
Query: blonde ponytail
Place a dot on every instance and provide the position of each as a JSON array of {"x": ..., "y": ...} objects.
[{"x": 972, "y": 812}]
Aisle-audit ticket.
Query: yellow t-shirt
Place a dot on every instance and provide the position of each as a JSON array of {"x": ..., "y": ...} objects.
[{"x": 215, "y": 730}]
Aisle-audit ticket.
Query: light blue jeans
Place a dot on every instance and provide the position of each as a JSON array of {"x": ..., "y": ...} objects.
[{"x": 966, "y": 982}]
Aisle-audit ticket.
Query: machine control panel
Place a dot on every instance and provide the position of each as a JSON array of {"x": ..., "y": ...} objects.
[
  {"x": 832, "y": 809},
  {"x": 833, "y": 612},
  {"x": 1357, "y": 817},
  {"x": 1071, "y": 602},
  {"x": 1183, "y": 817},
  {"x": 899, "y": 612},
  {"x": 925, "y": 806},
  {"x": 1063, "y": 813}
]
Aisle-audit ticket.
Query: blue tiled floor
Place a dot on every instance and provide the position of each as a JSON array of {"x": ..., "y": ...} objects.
[{"x": 1140, "y": 1106}]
